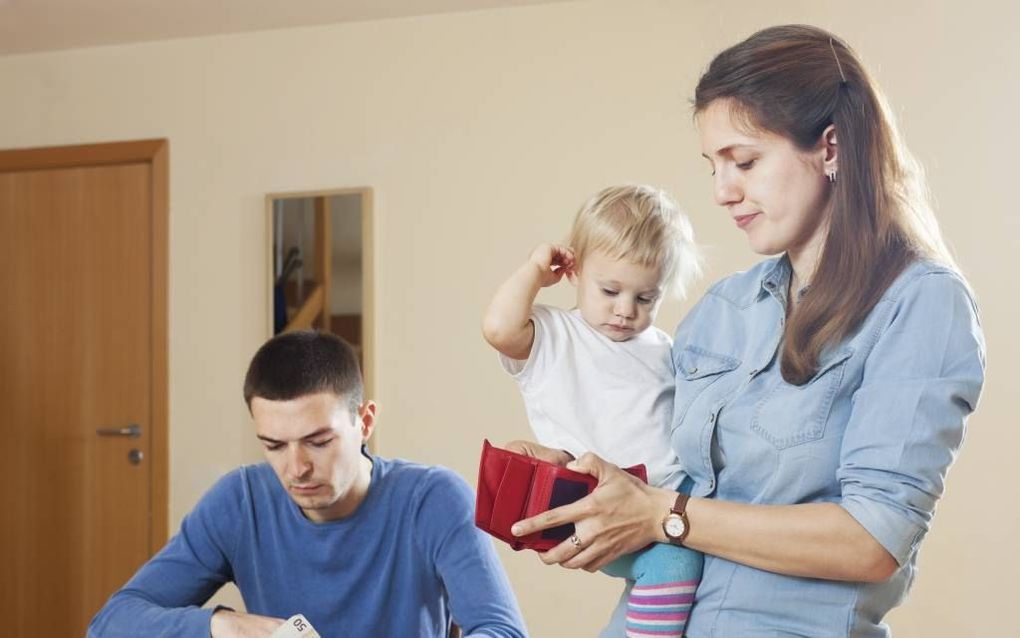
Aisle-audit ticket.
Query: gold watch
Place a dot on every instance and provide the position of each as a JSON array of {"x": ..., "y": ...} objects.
[{"x": 675, "y": 525}]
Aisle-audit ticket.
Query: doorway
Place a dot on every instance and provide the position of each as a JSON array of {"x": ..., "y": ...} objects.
[{"x": 83, "y": 377}]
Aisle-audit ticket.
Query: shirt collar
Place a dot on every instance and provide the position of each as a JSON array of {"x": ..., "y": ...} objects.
[{"x": 776, "y": 279}]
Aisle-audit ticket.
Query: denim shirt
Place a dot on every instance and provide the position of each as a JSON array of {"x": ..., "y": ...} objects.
[{"x": 874, "y": 431}]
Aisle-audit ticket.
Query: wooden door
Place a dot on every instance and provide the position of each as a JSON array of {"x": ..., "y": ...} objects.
[{"x": 82, "y": 351}]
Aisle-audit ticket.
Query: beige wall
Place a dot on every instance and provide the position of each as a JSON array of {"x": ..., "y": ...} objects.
[{"x": 481, "y": 133}]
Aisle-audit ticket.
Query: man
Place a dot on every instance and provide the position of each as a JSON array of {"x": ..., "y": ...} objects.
[{"x": 361, "y": 545}]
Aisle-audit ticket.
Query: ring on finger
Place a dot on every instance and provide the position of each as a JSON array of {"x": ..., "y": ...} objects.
[{"x": 575, "y": 540}]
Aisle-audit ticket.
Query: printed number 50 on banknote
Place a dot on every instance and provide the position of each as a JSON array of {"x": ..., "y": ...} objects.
[{"x": 296, "y": 627}]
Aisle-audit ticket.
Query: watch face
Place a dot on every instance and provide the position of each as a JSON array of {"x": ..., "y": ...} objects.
[{"x": 674, "y": 526}]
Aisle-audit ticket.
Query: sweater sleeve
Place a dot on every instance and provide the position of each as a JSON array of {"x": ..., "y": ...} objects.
[
  {"x": 164, "y": 597},
  {"x": 481, "y": 600}
]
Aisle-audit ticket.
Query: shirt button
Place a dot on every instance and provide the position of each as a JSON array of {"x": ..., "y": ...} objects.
[{"x": 693, "y": 371}]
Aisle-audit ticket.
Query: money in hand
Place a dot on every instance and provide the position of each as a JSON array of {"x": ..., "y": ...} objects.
[{"x": 297, "y": 626}]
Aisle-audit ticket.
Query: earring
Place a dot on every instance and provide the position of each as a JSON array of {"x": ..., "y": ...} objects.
[{"x": 831, "y": 175}]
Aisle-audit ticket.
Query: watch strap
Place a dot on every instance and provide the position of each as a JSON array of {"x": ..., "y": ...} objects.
[
  {"x": 680, "y": 505},
  {"x": 680, "y": 509}
]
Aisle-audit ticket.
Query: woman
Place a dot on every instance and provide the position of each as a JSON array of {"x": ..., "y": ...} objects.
[{"x": 821, "y": 396}]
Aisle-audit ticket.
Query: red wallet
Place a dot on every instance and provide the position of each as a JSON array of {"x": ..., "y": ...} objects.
[{"x": 512, "y": 487}]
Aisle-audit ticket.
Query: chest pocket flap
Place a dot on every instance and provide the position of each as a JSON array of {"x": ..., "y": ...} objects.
[
  {"x": 789, "y": 415},
  {"x": 695, "y": 363},
  {"x": 696, "y": 370}
]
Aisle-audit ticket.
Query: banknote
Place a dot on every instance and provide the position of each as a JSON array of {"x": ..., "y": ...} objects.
[{"x": 297, "y": 626}]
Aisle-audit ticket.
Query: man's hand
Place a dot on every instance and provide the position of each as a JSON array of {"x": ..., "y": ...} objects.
[
  {"x": 540, "y": 452},
  {"x": 553, "y": 262},
  {"x": 231, "y": 624}
]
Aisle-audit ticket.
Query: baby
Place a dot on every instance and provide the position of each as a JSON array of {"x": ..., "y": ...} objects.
[{"x": 600, "y": 378}]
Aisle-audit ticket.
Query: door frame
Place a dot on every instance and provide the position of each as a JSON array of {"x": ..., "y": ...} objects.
[{"x": 153, "y": 152}]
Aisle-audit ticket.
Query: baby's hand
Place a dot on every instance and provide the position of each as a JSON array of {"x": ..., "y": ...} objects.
[{"x": 553, "y": 262}]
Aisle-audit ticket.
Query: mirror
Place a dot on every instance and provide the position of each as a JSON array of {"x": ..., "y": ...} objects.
[{"x": 319, "y": 276}]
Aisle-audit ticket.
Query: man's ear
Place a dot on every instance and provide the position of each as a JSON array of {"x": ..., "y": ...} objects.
[{"x": 366, "y": 414}]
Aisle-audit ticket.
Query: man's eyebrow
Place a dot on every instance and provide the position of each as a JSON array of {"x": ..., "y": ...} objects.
[{"x": 318, "y": 432}]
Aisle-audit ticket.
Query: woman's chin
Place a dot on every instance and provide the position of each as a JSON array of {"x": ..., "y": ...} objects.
[{"x": 764, "y": 247}]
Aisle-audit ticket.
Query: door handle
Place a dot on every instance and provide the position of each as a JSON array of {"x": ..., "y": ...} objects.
[{"x": 134, "y": 431}]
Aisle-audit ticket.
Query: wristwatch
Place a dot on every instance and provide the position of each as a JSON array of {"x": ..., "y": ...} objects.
[{"x": 676, "y": 526}]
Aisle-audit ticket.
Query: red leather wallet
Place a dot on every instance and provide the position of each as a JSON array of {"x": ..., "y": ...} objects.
[{"x": 512, "y": 487}]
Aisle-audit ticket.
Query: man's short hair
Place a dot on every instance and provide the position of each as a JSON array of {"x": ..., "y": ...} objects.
[{"x": 296, "y": 364}]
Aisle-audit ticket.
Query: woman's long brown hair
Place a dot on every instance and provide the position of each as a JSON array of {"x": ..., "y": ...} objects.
[{"x": 795, "y": 81}]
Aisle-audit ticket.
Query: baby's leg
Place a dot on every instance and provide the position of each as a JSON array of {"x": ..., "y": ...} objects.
[{"x": 666, "y": 577}]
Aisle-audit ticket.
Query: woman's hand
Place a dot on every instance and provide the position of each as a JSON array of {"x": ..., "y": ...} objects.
[
  {"x": 620, "y": 516},
  {"x": 540, "y": 452}
]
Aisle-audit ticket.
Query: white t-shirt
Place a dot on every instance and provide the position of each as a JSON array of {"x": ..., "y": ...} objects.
[{"x": 584, "y": 392}]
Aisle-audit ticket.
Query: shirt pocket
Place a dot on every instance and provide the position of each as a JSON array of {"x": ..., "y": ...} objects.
[
  {"x": 789, "y": 415},
  {"x": 696, "y": 370}
]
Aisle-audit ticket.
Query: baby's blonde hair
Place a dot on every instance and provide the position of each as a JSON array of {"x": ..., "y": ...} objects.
[{"x": 641, "y": 224}]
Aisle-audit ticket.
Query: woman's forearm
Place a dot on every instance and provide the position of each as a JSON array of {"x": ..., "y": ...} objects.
[{"x": 815, "y": 540}]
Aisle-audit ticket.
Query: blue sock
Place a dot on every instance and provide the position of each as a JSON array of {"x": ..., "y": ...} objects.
[{"x": 666, "y": 577}]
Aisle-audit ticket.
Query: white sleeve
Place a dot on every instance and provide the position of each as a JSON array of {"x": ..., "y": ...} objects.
[{"x": 546, "y": 320}]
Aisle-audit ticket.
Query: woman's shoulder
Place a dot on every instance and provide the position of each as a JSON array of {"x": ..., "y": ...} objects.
[
  {"x": 742, "y": 288},
  {"x": 927, "y": 279},
  {"x": 927, "y": 304},
  {"x": 728, "y": 306}
]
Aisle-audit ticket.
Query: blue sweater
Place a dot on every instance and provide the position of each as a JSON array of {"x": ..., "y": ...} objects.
[{"x": 403, "y": 564}]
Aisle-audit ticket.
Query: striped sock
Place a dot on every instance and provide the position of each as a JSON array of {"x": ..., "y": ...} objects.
[{"x": 659, "y": 610}]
